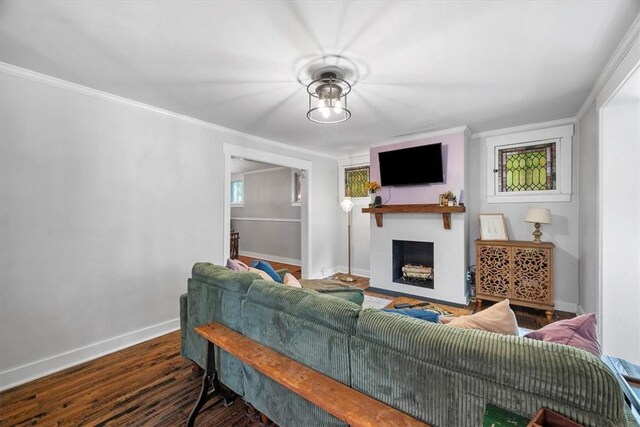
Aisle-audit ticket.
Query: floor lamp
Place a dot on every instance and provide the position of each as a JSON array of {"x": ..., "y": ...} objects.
[{"x": 347, "y": 206}]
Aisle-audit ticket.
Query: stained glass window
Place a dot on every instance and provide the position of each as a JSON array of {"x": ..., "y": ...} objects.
[
  {"x": 355, "y": 181},
  {"x": 529, "y": 167}
]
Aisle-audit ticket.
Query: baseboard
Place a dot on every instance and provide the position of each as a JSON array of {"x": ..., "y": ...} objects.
[
  {"x": 274, "y": 258},
  {"x": 355, "y": 271},
  {"x": 31, "y": 371},
  {"x": 570, "y": 307}
]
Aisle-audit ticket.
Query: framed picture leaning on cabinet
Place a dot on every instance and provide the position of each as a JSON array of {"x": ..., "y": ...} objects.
[{"x": 492, "y": 226}]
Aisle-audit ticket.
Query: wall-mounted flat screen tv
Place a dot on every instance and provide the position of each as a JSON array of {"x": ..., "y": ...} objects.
[{"x": 412, "y": 166}]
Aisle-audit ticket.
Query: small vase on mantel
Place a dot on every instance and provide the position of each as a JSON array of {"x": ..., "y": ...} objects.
[{"x": 372, "y": 202}]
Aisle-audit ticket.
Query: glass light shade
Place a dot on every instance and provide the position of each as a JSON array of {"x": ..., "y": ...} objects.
[
  {"x": 328, "y": 99},
  {"x": 347, "y": 204},
  {"x": 539, "y": 215}
]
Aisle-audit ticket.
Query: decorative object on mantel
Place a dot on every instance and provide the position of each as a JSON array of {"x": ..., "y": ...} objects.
[
  {"x": 446, "y": 211},
  {"x": 492, "y": 227},
  {"x": 347, "y": 206},
  {"x": 538, "y": 216},
  {"x": 450, "y": 198},
  {"x": 443, "y": 199},
  {"x": 457, "y": 195},
  {"x": 373, "y": 187}
]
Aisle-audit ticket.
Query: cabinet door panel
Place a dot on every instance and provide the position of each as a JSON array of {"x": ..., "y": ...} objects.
[
  {"x": 531, "y": 274},
  {"x": 494, "y": 275}
]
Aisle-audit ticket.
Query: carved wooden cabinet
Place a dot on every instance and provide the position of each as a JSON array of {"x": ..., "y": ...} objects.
[{"x": 519, "y": 270}]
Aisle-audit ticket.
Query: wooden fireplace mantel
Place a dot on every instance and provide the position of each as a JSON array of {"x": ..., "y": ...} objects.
[{"x": 446, "y": 211}]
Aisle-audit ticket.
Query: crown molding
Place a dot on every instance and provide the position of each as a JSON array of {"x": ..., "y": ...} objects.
[
  {"x": 95, "y": 93},
  {"x": 421, "y": 135},
  {"x": 616, "y": 58},
  {"x": 525, "y": 128}
]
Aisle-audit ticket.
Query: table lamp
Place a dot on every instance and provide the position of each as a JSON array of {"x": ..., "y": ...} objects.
[{"x": 538, "y": 216}]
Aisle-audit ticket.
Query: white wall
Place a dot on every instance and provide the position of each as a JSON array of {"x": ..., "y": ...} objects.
[
  {"x": 563, "y": 230},
  {"x": 620, "y": 221},
  {"x": 105, "y": 206},
  {"x": 588, "y": 173}
]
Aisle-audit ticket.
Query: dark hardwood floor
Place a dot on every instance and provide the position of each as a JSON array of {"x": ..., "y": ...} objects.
[{"x": 146, "y": 384}]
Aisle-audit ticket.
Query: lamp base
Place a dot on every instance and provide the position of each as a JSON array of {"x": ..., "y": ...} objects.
[
  {"x": 347, "y": 278},
  {"x": 537, "y": 233}
]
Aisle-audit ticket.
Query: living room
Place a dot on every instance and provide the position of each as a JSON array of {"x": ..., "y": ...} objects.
[{"x": 118, "y": 121}]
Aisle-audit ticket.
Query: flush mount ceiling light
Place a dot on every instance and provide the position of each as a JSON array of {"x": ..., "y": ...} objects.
[{"x": 328, "y": 97}]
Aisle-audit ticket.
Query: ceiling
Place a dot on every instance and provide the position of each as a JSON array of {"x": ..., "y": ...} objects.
[
  {"x": 419, "y": 66},
  {"x": 239, "y": 165}
]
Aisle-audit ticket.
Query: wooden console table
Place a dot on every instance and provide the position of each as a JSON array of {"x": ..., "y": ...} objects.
[
  {"x": 519, "y": 270},
  {"x": 446, "y": 211},
  {"x": 343, "y": 402}
]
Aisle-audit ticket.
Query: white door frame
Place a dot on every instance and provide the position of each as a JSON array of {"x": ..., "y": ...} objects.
[
  {"x": 230, "y": 150},
  {"x": 622, "y": 75}
]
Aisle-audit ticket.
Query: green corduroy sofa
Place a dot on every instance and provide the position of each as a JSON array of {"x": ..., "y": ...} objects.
[{"x": 439, "y": 374}]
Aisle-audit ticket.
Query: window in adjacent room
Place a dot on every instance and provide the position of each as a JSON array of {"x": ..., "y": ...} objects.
[
  {"x": 296, "y": 187},
  {"x": 237, "y": 192},
  {"x": 355, "y": 181}
]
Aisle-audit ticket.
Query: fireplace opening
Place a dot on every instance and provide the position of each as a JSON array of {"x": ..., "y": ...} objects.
[{"x": 413, "y": 263}]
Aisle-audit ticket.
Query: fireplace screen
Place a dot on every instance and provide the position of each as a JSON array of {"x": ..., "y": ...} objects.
[{"x": 413, "y": 263}]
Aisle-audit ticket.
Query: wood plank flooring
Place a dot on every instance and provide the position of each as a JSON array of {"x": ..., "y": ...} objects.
[{"x": 147, "y": 384}]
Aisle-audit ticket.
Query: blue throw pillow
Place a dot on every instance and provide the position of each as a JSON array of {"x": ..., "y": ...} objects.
[
  {"x": 429, "y": 316},
  {"x": 266, "y": 267}
]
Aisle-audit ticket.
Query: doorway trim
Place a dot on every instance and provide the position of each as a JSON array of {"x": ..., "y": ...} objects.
[{"x": 231, "y": 150}]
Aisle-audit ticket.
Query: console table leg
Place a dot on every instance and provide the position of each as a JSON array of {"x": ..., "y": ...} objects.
[
  {"x": 478, "y": 304},
  {"x": 210, "y": 381},
  {"x": 207, "y": 381}
]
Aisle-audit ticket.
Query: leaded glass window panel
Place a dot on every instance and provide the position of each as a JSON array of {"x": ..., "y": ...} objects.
[
  {"x": 530, "y": 167},
  {"x": 355, "y": 181}
]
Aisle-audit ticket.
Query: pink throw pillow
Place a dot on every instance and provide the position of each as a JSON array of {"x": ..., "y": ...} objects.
[
  {"x": 237, "y": 265},
  {"x": 290, "y": 280},
  {"x": 498, "y": 318},
  {"x": 580, "y": 332}
]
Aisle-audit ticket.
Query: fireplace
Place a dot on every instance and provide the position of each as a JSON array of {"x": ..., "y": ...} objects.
[{"x": 412, "y": 263}]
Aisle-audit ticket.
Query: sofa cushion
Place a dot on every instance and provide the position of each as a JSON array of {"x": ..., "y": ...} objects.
[
  {"x": 263, "y": 274},
  {"x": 498, "y": 318},
  {"x": 223, "y": 277},
  {"x": 335, "y": 289},
  {"x": 237, "y": 265},
  {"x": 580, "y": 332},
  {"x": 290, "y": 280},
  {"x": 266, "y": 267}
]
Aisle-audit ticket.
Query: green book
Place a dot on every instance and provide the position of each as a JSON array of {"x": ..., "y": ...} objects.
[{"x": 498, "y": 417}]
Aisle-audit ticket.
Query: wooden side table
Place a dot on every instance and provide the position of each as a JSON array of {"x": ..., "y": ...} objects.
[{"x": 521, "y": 271}]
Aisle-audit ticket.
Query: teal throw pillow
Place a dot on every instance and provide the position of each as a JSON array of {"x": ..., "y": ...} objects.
[
  {"x": 429, "y": 316},
  {"x": 266, "y": 267}
]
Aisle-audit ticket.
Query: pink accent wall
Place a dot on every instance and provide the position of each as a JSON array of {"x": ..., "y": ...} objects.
[{"x": 452, "y": 157}]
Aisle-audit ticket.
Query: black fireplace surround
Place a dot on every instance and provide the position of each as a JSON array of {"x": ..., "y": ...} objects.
[{"x": 416, "y": 253}]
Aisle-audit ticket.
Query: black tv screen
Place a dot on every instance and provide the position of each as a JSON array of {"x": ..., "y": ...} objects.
[{"x": 412, "y": 166}]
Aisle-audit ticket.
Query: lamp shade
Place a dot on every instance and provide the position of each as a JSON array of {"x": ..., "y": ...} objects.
[
  {"x": 347, "y": 204},
  {"x": 539, "y": 215}
]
